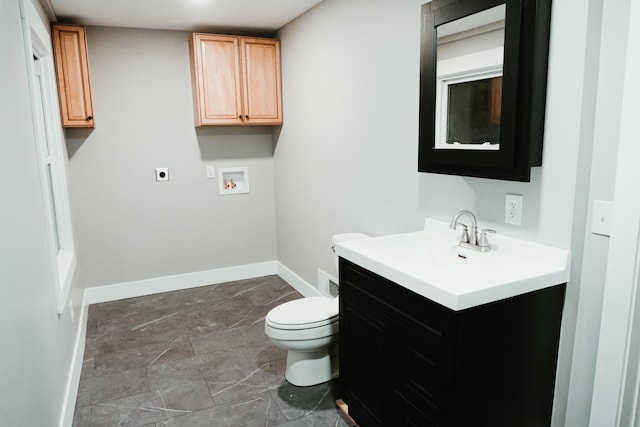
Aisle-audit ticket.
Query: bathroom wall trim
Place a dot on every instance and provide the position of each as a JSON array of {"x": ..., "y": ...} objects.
[
  {"x": 298, "y": 283},
  {"x": 77, "y": 360},
  {"x": 177, "y": 282}
]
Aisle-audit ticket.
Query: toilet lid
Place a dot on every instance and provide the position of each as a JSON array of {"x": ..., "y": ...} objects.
[{"x": 308, "y": 312}]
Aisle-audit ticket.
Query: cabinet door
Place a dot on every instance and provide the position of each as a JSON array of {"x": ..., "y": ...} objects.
[
  {"x": 72, "y": 70},
  {"x": 262, "y": 93},
  {"x": 215, "y": 69},
  {"x": 407, "y": 415},
  {"x": 363, "y": 332},
  {"x": 423, "y": 373}
]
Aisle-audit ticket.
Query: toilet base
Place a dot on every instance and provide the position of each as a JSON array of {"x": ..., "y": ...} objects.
[{"x": 309, "y": 368}]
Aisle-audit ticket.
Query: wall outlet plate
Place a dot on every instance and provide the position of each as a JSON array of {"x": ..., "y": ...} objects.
[
  {"x": 513, "y": 209},
  {"x": 162, "y": 174}
]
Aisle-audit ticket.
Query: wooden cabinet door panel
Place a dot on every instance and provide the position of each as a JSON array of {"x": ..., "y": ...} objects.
[
  {"x": 261, "y": 80},
  {"x": 72, "y": 70},
  {"x": 235, "y": 80},
  {"x": 217, "y": 71}
]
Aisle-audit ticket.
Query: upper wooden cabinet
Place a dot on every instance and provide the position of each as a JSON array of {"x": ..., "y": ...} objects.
[
  {"x": 235, "y": 80},
  {"x": 72, "y": 71}
]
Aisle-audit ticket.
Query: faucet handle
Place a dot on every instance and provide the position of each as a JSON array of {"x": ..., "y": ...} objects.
[
  {"x": 464, "y": 236},
  {"x": 483, "y": 242}
]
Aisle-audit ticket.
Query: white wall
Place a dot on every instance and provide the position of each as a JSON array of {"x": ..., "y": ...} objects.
[
  {"x": 131, "y": 227},
  {"x": 346, "y": 158},
  {"x": 37, "y": 345}
]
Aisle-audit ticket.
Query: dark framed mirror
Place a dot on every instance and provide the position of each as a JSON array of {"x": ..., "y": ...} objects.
[{"x": 483, "y": 76}]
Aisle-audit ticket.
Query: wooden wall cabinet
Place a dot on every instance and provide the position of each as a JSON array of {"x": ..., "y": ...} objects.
[
  {"x": 72, "y": 71},
  {"x": 408, "y": 361},
  {"x": 235, "y": 80}
]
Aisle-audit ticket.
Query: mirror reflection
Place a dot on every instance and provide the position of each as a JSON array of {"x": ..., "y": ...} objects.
[{"x": 470, "y": 55}]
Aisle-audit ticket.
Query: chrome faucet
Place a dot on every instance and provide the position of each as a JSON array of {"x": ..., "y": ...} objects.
[{"x": 470, "y": 237}]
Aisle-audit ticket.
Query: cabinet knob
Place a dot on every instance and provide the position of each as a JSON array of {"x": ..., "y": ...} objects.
[
  {"x": 246, "y": 117},
  {"x": 240, "y": 116},
  {"x": 89, "y": 117}
]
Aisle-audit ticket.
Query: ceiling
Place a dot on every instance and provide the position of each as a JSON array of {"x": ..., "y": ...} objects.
[{"x": 258, "y": 16}]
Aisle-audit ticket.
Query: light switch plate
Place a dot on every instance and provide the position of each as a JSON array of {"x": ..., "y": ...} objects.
[
  {"x": 602, "y": 216},
  {"x": 211, "y": 172}
]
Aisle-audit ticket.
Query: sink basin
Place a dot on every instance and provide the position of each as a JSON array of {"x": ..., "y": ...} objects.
[{"x": 431, "y": 263}]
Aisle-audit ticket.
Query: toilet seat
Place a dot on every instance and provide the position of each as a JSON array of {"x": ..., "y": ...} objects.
[{"x": 304, "y": 313}]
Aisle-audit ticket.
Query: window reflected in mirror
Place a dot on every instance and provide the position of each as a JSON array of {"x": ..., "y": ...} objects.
[
  {"x": 473, "y": 114},
  {"x": 470, "y": 55}
]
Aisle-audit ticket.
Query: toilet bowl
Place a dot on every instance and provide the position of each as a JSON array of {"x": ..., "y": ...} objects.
[{"x": 306, "y": 328}]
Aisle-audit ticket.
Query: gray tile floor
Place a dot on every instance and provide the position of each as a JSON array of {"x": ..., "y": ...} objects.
[{"x": 197, "y": 357}]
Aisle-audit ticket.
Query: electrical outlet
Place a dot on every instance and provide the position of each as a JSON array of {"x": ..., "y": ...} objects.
[
  {"x": 162, "y": 174},
  {"x": 513, "y": 209}
]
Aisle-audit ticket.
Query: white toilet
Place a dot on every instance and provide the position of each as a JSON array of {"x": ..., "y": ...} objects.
[{"x": 306, "y": 328}]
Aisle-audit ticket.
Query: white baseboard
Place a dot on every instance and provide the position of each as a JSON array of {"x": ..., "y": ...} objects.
[
  {"x": 156, "y": 285},
  {"x": 71, "y": 390},
  {"x": 299, "y": 284}
]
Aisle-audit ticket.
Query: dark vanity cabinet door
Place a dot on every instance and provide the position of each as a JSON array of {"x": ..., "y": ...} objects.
[
  {"x": 422, "y": 379},
  {"x": 408, "y": 361},
  {"x": 395, "y": 367},
  {"x": 362, "y": 358}
]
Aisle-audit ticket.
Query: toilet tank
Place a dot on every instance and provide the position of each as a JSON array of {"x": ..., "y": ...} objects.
[{"x": 344, "y": 237}]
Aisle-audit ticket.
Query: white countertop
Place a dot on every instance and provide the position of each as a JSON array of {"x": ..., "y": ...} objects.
[{"x": 431, "y": 263}]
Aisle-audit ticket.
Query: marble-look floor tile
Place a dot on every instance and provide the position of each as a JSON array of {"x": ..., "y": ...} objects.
[
  {"x": 258, "y": 410},
  {"x": 107, "y": 311},
  {"x": 108, "y": 387},
  {"x": 173, "y": 326},
  {"x": 82, "y": 417},
  {"x": 153, "y": 406},
  {"x": 328, "y": 418},
  {"x": 272, "y": 290},
  {"x": 208, "y": 365},
  {"x": 299, "y": 402},
  {"x": 234, "y": 385},
  {"x": 195, "y": 357},
  {"x": 263, "y": 352},
  {"x": 122, "y": 360},
  {"x": 112, "y": 341},
  {"x": 229, "y": 338}
]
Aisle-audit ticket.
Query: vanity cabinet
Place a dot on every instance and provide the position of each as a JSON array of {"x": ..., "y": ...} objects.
[
  {"x": 72, "y": 72},
  {"x": 406, "y": 360},
  {"x": 235, "y": 80}
]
